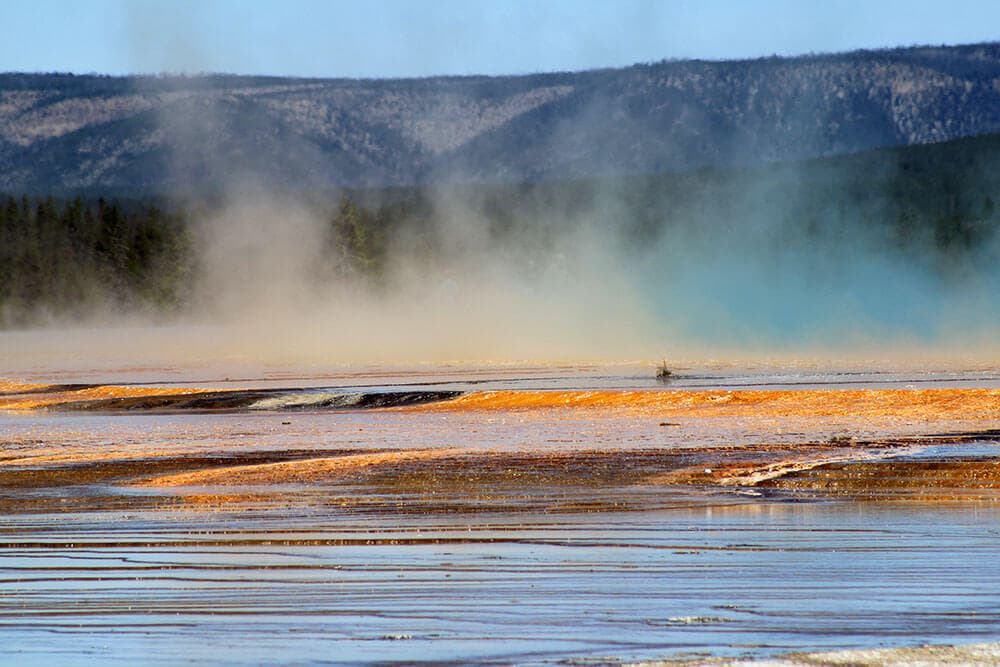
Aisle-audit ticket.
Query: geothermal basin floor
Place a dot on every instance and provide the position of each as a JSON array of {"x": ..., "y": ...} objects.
[{"x": 569, "y": 518}]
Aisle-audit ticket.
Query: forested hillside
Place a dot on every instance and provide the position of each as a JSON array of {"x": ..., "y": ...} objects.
[{"x": 137, "y": 136}]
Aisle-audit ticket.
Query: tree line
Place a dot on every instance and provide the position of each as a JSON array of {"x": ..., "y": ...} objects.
[
  {"x": 930, "y": 205},
  {"x": 66, "y": 258}
]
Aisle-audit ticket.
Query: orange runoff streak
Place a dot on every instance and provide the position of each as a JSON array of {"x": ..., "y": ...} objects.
[
  {"x": 33, "y": 401},
  {"x": 981, "y": 404}
]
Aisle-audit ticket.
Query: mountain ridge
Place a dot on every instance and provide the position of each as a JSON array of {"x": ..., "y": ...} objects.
[{"x": 156, "y": 134}]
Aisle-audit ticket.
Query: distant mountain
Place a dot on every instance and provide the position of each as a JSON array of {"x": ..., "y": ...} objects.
[{"x": 60, "y": 132}]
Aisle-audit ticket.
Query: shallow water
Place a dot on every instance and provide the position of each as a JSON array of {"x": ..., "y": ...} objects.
[
  {"x": 280, "y": 588},
  {"x": 511, "y": 528}
]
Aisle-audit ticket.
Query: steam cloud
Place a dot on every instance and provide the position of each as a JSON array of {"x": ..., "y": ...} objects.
[
  {"x": 471, "y": 299},
  {"x": 746, "y": 285},
  {"x": 732, "y": 279}
]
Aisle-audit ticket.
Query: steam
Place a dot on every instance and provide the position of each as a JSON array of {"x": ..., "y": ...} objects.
[
  {"x": 749, "y": 284},
  {"x": 751, "y": 278},
  {"x": 737, "y": 277},
  {"x": 568, "y": 281},
  {"x": 739, "y": 281},
  {"x": 269, "y": 282}
]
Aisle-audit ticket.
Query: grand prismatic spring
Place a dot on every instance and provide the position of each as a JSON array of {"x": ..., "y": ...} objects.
[{"x": 500, "y": 514}]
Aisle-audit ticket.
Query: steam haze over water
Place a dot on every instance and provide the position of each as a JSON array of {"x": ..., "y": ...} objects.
[{"x": 733, "y": 279}]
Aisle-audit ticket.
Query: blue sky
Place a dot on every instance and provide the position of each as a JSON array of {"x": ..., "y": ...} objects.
[{"x": 392, "y": 38}]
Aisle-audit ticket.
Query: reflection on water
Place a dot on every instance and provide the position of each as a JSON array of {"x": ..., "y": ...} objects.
[{"x": 269, "y": 586}]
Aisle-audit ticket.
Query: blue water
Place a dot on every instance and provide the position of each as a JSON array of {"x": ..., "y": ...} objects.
[{"x": 267, "y": 586}]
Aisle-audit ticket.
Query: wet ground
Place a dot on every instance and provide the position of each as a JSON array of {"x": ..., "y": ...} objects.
[
  {"x": 506, "y": 515},
  {"x": 287, "y": 587}
]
